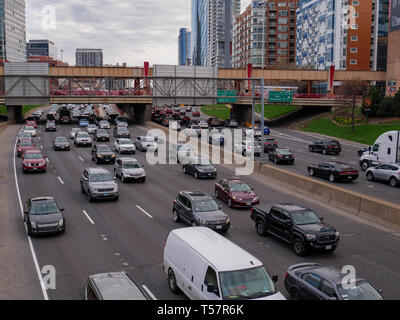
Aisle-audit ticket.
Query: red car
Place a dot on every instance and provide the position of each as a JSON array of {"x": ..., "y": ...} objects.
[
  {"x": 33, "y": 161},
  {"x": 25, "y": 145},
  {"x": 31, "y": 123},
  {"x": 236, "y": 193},
  {"x": 196, "y": 113}
]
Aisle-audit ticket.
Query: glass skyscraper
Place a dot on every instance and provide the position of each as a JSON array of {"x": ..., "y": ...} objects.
[
  {"x": 12, "y": 30},
  {"x": 184, "y": 47},
  {"x": 199, "y": 32}
]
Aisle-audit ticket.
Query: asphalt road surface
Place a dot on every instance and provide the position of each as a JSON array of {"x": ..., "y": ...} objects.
[{"x": 129, "y": 234}]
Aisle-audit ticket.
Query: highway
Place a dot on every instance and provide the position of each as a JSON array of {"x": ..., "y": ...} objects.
[{"x": 129, "y": 234}]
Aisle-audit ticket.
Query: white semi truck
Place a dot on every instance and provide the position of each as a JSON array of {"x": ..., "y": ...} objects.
[{"x": 386, "y": 150}]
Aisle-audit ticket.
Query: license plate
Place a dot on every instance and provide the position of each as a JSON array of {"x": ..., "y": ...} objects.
[
  {"x": 210, "y": 174},
  {"x": 328, "y": 247},
  {"x": 219, "y": 227},
  {"x": 350, "y": 178},
  {"x": 249, "y": 203},
  {"x": 106, "y": 194}
]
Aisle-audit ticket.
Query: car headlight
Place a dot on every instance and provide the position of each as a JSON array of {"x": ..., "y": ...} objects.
[
  {"x": 61, "y": 223},
  {"x": 33, "y": 225},
  {"x": 337, "y": 234},
  {"x": 99, "y": 156},
  {"x": 202, "y": 221},
  {"x": 310, "y": 237},
  {"x": 234, "y": 198},
  {"x": 116, "y": 189},
  {"x": 113, "y": 156},
  {"x": 227, "y": 220}
]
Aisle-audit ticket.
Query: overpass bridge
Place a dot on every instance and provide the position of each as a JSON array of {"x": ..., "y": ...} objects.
[{"x": 135, "y": 90}]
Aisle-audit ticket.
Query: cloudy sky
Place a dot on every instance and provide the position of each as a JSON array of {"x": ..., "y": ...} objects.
[{"x": 129, "y": 31}]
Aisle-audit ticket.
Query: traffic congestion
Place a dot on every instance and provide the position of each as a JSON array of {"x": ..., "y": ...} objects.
[{"x": 84, "y": 167}]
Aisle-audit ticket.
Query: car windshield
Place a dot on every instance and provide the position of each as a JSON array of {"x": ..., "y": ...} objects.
[
  {"x": 305, "y": 217},
  {"x": 196, "y": 127},
  {"x": 33, "y": 156},
  {"x": 132, "y": 165},
  {"x": 284, "y": 151},
  {"x": 26, "y": 144},
  {"x": 83, "y": 135},
  {"x": 101, "y": 177},
  {"x": 29, "y": 128},
  {"x": 239, "y": 187},
  {"x": 92, "y": 126},
  {"x": 61, "y": 140},
  {"x": 203, "y": 163},
  {"x": 104, "y": 149},
  {"x": 342, "y": 166},
  {"x": 205, "y": 205},
  {"x": 25, "y": 135},
  {"x": 362, "y": 290},
  {"x": 122, "y": 129},
  {"x": 246, "y": 284},
  {"x": 44, "y": 208},
  {"x": 125, "y": 142},
  {"x": 101, "y": 131}
]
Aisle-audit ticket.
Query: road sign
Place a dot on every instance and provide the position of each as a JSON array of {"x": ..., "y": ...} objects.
[
  {"x": 225, "y": 94},
  {"x": 280, "y": 96}
]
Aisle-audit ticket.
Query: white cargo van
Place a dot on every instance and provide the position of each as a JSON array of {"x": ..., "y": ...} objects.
[
  {"x": 386, "y": 150},
  {"x": 207, "y": 266}
]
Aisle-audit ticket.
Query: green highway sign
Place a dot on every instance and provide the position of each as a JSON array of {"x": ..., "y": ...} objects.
[
  {"x": 226, "y": 94},
  {"x": 280, "y": 96}
]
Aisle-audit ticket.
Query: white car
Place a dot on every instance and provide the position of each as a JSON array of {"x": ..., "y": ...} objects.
[
  {"x": 31, "y": 130},
  {"x": 216, "y": 138},
  {"x": 184, "y": 153},
  {"x": 146, "y": 144},
  {"x": 82, "y": 139},
  {"x": 104, "y": 124},
  {"x": 203, "y": 124},
  {"x": 249, "y": 132},
  {"x": 73, "y": 132},
  {"x": 173, "y": 125},
  {"x": 124, "y": 146},
  {"x": 189, "y": 132},
  {"x": 91, "y": 129},
  {"x": 247, "y": 146}
]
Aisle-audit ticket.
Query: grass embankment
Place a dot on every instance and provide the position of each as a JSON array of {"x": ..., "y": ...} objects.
[
  {"x": 25, "y": 109},
  {"x": 365, "y": 133},
  {"x": 270, "y": 111}
]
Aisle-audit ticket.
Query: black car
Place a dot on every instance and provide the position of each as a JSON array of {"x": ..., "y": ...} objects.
[
  {"x": 61, "y": 144},
  {"x": 102, "y": 153},
  {"x": 333, "y": 171},
  {"x": 281, "y": 156},
  {"x": 199, "y": 168},
  {"x": 270, "y": 145},
  {"x": 326, "y": 147},
  {"x": 121, "y": 132},
  {"x": 112, "y": 286},
  {"x": 300, "y": 227},
  {"x": 311, "y": 281},
  {"x": 51, "y": 126},
  {"x": 101, "y": 135},
  {"x": 200, "y": 209},
  {"x": 43, "y": 216}
]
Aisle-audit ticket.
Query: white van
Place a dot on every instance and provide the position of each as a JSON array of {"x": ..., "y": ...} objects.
[{"x": 207, "y": 266}]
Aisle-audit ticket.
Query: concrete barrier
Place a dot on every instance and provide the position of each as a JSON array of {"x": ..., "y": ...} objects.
[
  {"x": 3, "y": 125},
  {"x": 350, "y": 201}
]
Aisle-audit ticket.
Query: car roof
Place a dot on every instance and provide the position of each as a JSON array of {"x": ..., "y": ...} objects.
[
  {"x": 235, "y": 180},
  {"x": 97, "y": 170},
  {"x": 116, "y": 286},
  {"x": 33, "y": 151},
  {"x": 223, "y": 254},
  {"x": 197, "y": 195},
  {"x": 329, "y": 272},
  {"x": 41, "y": 199}
]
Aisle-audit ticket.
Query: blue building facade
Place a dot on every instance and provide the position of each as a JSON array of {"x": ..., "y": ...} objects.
[{"x": 184, "y": 47}]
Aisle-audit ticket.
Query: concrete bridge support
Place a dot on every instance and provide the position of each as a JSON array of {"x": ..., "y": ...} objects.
[
  {"x": 136, "y": 113},
  {"x": 14, "y": 114},
  {"x": 241, "y": 113}
]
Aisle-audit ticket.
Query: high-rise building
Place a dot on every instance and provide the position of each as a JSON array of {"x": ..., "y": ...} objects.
[
  {"x": 89, "y": 57},
  {"x": 393, "y": 62},
  {"x": 12, "y": 31},
  {"x": 46, "y": 48},
  {"x": 212, "y": 31},
  {"x": 184, "y": 47},
  {"x": 265, "y": 34},
  {"x": 349, "y": 35}
]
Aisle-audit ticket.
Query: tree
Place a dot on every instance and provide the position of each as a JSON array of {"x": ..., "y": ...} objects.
[{"x": 376, "y": 95}]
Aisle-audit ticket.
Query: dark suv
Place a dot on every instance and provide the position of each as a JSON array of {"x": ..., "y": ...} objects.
[
  {"x": 300, "y": 227},
  {"x": 326, "y": 147},
  {"x": 200, "y": 209},
  {"x": 103, "y": 154}
]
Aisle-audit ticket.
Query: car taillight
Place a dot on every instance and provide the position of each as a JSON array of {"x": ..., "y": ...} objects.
[
  {"x": 285, "y": 275},
  {"x": 251, "y": 210}
]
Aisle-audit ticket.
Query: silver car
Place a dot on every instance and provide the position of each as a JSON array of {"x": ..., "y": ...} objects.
[
  {"x": 98, "y": 183},
  {"x": 122, "y": 145},
  {"x": 82, "y": 139},
  {"x": 91, "y": 128},
  {"x": 146, "y": 144},
  {"x": 104, "y": 124},
  {"x": 385, "y": 172},
  {"x": 128, "y": 169},
  {"x": 73, "y": 132}
]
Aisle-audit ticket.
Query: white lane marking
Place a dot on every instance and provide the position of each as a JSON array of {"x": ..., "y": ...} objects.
[
  {"x": 80, "y": 158},
  {"x": 152, "y": 296},
  {"x": 47, "y": 160},
  {"x": 147, "y": 214},
  {"x": 87, "y": 216},
  {"x": 41, "y": 147},
  {"x": 39, "y": 138},
  {"x": 35, "y": 260},
  {"x": 59, "y": 179}
]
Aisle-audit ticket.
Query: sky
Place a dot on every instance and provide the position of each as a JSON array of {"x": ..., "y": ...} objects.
[{"x": 131, "y": 31}]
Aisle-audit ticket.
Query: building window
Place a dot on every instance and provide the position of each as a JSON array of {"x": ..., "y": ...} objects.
[
  {"x": 353, "y": 50},
  {"x": 354, "y": 26},
  {"x": 355, "y": 3},
  {"x": 353, "y": 61},
  {"x": 354, "y": 38}
]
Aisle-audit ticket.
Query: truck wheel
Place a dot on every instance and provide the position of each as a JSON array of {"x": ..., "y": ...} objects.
[
  {"x": 365, "y": 165},
  {"x": 298, "y": 247},
  {"x": 393, "y": 182},
  {"x": 172, "y": 282},
  {"x": 261, "y": 229}
]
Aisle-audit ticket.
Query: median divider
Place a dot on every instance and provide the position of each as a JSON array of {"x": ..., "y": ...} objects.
[{"x": 350, "y": 201}]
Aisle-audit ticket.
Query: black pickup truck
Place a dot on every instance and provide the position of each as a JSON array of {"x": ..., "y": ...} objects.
[{"x": 300, "y": 227}]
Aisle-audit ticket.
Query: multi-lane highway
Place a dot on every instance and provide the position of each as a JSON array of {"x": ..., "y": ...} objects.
[{"x": 129, "y": 234}]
